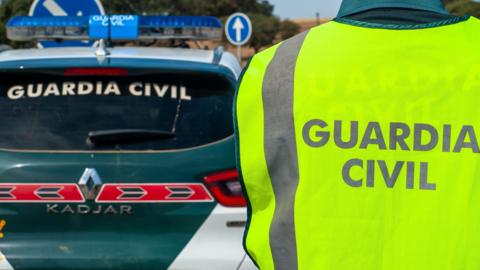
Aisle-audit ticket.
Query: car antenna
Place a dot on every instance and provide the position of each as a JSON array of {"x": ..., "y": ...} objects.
[
  {"x": 217, "y": 55},
  {"x": 101, "y": 51}
]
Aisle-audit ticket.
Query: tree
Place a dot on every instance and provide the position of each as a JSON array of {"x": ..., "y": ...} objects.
[
  {"x": 463, "y": 7},
  {"x": 288, "y": 29},
  {"x": 143, "y": 7},
  {"x": 265, "y": 29},
  {"x": 219, "y": 8},
  {"x": 8, "y": 9}
]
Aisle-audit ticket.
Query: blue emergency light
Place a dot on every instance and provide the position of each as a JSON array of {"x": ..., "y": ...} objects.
[{"x": 114, "y": 27}]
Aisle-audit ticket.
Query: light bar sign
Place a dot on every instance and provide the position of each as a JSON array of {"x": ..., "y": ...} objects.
[{"x": 120, "y": 27}]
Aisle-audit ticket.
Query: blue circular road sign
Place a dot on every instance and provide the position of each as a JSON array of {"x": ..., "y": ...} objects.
[
  {"x": 238, "y": 29},
  {"x": 47, "y": 8}
]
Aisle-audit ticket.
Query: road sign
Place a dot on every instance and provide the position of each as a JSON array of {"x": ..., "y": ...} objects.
[
  {"x": 238, "y": 29},
  {"x": 47, "y": 8}
]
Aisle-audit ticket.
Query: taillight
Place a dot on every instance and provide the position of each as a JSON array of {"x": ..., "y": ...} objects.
[
  {"x": 226, "y": 188},
  {"x": 95, "y": 72}
]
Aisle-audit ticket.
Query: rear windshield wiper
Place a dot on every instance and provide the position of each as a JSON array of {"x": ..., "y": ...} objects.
[{"x": 116, "y": 136}]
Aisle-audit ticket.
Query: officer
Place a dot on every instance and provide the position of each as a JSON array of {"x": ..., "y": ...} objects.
[{"x": 357, "y": 142}]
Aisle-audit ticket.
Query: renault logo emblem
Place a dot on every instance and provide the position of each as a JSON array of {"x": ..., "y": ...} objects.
[{"x": 90, "y": 184}]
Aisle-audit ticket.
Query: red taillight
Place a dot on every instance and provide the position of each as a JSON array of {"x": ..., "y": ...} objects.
[
  {"x": 95, "y": 72},
  {"x": 226, "y": 188}
]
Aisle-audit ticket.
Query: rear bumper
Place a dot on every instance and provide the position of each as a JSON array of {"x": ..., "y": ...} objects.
[{"x": 217, "y": 245}]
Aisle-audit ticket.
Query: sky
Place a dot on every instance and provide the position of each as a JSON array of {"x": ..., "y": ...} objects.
[{"x": 295, "y": 9}]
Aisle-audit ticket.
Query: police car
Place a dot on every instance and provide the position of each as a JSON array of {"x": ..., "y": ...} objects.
[{"x": 118, "y": 157}]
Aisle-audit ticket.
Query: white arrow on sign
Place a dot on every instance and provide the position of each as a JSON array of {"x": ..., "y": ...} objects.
[
  {"x": 238, "y": 26},
  {"x": 54, "y": 8}
]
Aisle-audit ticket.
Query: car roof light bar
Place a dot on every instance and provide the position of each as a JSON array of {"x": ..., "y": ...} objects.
[{"x": 114, "y": 27}]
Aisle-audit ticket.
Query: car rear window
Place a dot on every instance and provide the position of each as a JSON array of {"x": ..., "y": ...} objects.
[{"x": 56, "y": 112}]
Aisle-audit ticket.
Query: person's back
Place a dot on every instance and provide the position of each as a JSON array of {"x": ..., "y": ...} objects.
[{"x": 358, "y": 147}]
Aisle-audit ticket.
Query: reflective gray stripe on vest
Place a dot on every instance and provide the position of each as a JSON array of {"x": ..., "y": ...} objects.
[{"x": 281, "y": 150}]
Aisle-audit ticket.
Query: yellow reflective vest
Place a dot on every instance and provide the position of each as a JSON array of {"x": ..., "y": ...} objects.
[{"x": 358, "y": 148}]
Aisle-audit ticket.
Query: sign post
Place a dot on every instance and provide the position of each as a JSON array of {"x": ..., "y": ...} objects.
[
  {"x": 50, "y": 8},
  {"x": 238, "y": 30}
]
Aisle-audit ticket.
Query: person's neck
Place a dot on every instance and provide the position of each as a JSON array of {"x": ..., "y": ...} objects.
[{"x": 349, "y": 7}]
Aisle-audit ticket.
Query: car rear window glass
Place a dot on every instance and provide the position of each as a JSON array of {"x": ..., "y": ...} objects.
[{"x": 56, "y": 112}]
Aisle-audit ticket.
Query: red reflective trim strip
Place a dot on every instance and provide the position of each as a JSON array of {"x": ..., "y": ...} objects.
[
  {"x": 154, "y": 193},
  {"x": 29, "y": 193}
]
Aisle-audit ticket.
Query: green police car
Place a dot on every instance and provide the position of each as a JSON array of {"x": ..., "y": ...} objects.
[{"x": 119, "y": 157}]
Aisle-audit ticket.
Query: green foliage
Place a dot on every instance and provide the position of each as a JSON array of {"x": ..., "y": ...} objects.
[
  {"x": 288, "y": 29},
  {"x": 143, "y": 7},
  {"x": 463, "y": 7},
  {"x": 266, "y": 25},
  {"x": 265, "y": 29},
  {"x": 8, "y": 9},
  {"x": 220, "y": 8}
]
